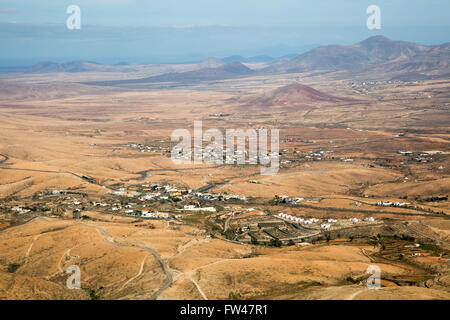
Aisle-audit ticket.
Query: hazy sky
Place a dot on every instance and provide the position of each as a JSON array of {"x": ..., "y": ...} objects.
[{"x": 189, "y": 30}]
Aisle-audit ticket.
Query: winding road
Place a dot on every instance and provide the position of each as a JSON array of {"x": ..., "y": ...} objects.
[{"x": 110, "y": 240}]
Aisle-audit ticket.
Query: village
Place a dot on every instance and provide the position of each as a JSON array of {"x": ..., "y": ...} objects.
[
  {"x": 294, "y": 153},
  {"x": 229, "y": 217},
  {"x": 238, "y": 217},
  {"x": 257, "y": 227}
]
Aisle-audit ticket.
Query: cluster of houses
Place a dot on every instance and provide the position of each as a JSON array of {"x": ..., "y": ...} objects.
[
  {"x": 327, "y": 225},
  {"x": 145, "y": 148},
  {"x": 391, "y": 204},
  {"x": 152, "y": 192},
  {"x": 217, "y": 197},
  {"x": 287, "y": 200},
  {"x": 153, "y": 215},
  {"x": 20, "y": 210},
  {"x": 164, "y": 192},
  {"x": 141, "y": 194},
  {"x": 124, "y": 192},
  {"x": 142, "y": 213},
  {"x": 214, "y": 153},
  {"x": 255, "y": 227},
  {"x": 315, "y": 155},
  {"x": 356, "y": 220},
  {"x": 57, "y": 192},
  {"x": 324, "y": 225},
  {"x": 363, "y": 87},
  {"x": 130, "y": 209},
  {"x": 195, "y": 208},
  {"x": 423, "y": 157},
  {"x": 298, "y": 219}
]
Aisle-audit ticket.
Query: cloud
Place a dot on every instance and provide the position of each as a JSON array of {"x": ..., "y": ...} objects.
[{"x": 8, "y": 10}]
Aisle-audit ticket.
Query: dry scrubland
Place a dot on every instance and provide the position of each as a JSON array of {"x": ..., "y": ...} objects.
[
  {"x": 110, "y": 264},
  {"x": 53, "y": 131}
]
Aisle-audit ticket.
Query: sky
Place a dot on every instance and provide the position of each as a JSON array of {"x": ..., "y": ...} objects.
[{"x": 178, "y": 31}]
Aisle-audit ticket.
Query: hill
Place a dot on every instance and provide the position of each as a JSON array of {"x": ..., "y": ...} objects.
[
  {"x": 375, "y": 57},
  {"x": 431, "y": 64},
  {"x": 72, "y": 66},
  {"x": 297, "y": 95},
  {"x": 374, "y": 50},
  {"x": 226, "y": 71},
  {"x": 248, "y": 59},
  {"x": 211, "y": 63}
]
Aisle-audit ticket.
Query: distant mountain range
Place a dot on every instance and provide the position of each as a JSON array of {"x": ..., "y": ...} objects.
[
  {"x": 372, "y": 51},
  {"x": 89, "y": 66},
  {"x": 222, "y": 72},
  {"x": 73, "y": 66},
  {"x": 225, "y": 71},
  {"x": 374, "y": 58}
]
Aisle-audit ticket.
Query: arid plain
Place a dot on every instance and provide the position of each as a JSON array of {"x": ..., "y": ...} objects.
[{"x": 71, "y": 145}]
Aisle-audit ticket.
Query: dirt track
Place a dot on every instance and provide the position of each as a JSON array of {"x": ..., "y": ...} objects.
[{"x": 110, "y": 240}]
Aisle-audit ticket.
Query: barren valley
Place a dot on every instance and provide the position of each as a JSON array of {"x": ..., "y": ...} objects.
[{"x": 86, "y": 179}]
